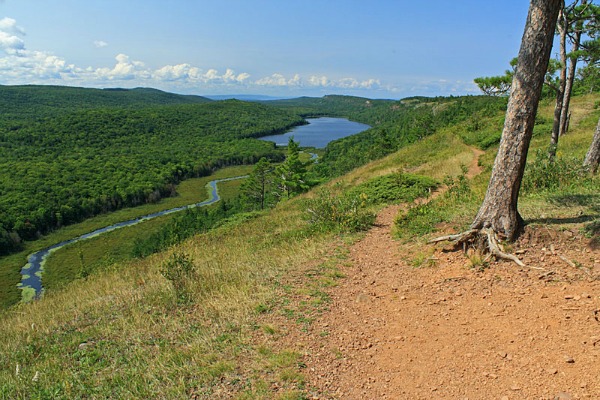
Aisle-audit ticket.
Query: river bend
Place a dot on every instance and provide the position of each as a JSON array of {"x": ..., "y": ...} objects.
[{"x": 31, "y": 273}]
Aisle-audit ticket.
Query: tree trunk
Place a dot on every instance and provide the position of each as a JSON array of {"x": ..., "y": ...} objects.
[
  {"x": 563, "y": 27},
  {"x": 592, "y": 158},
  {"x": 499, "y": 209},
  {"x": 569, "y": 88},
  {"x": 564, "y": 114}
]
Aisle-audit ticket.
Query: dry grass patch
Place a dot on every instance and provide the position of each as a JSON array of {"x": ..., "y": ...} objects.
[{"x": 123, "y": 333}]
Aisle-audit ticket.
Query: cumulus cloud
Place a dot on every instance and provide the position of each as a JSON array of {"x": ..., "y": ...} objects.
[
  {"x": 191, "y": 74},
  {"x": 279, "y": 80},
  {"x": 20, "y": 65},
  {"x": 100, "y": 43},
  {"x": 124, "y": 69},
  {"x": 10, "y": 41},
  {"x": 9, "y": 25}
]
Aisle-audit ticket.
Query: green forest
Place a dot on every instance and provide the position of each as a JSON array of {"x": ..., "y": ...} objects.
[
  {"x": 59, "y": 168},
  {"x": 67, "y": 154}
]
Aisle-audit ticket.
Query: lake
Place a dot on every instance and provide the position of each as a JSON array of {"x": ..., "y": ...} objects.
[{"x": 319, "y": 132}]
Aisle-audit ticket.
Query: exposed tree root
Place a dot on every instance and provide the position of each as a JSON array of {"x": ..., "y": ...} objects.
[{"x": 478, "y": 238}]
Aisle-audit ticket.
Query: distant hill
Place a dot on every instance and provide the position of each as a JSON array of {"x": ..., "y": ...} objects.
[
  {"x": 245, "y": 97},
  {"x": 23, "y": 102}
]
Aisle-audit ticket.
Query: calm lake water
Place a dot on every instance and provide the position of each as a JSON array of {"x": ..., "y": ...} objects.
[{"x": 319, "y": 132}]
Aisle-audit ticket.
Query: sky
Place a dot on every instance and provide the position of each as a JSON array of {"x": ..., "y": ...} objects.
[{"x": 283, "y": 48}]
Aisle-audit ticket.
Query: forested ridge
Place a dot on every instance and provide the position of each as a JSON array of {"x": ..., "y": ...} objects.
[
  {"x": 62, "y": 168},
  {"x": 395, "y": 124},
  {"x": 67, "y": 154},
  {"x": 27, "y": 102}
]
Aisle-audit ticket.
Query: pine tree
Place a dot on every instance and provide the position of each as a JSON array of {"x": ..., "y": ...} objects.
[
  {"x": 290, "y": 176},
  {"x": 257, "y": 189},
  {"x": 498, "y": 215}
]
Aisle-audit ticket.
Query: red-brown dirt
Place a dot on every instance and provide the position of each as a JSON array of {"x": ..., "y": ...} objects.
[{"x": 452, "y": 330}]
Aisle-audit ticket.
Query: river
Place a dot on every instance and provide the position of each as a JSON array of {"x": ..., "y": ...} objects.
[
  {"x": 31, "y": 273},
  {"x": 319, "y": 132}
]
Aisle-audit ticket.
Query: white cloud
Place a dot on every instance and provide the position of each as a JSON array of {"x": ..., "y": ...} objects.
[
  {"x": 279, "y": 80},
  {"x": 124, "y": 69},
  {"x": 9, "y": 25},
  {"x": 10, "y": 41},
  {"x": 319, "y": 81},
  {"x": 19, "y": 65},
  {"x": 100, "y": 43}
]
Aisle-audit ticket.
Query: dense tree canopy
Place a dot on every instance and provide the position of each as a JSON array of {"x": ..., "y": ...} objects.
[{"x": 64, "y": 168}]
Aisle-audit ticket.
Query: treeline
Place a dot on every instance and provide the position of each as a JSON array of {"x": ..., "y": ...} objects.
[
  {"x": 30, "y": 102},
  {"x": 397, "y": 124},
  {"x": 66, "y": 168},
  {"x": 394, "y": 124},
  {"x": 188, "y": 224}
]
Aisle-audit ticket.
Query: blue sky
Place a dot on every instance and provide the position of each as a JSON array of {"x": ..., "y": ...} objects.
[{"x": 287, "y": 48}]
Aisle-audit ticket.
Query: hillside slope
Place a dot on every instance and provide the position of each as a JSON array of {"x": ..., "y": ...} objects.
[
  {"x": 268, "y": 306},
  {"x": 451, "y": 329},
  {"x": 34, "y": 101}
]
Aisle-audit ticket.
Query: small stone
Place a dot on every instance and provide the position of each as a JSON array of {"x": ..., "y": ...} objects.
[
  {"x": 563, "y": 396},
  {"x": 362, "y": 298},
  {"x": 569, "y": 297},
  {"x": 569, "y": 360},
  {"x": 515, "y": 387},
  {"x": 552, "y": 371}
]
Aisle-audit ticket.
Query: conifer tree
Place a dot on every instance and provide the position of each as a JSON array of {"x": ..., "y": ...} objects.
[
  {"x": 257, "y": 189},
  {"x": 290, "y": 175}
]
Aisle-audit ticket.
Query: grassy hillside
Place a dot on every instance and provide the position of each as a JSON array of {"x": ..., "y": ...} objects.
[{"x": 187, "y": 322}]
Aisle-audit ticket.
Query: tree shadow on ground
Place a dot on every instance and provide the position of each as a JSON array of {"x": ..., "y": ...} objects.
[
  {"x": 591, "y": 218},
  {"x": 591, "y": 201}
]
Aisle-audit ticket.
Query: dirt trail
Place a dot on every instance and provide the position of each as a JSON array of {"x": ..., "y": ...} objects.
[{"x": 449, "y": 331}]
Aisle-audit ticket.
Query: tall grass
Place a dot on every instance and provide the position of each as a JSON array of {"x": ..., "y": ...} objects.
[{"x": 125, "y": 332}]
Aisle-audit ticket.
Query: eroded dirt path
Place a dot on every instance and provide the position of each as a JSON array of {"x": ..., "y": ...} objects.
[{"x": 448, "y": 331}]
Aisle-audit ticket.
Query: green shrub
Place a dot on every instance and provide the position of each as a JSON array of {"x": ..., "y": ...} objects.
[
  {"x": 395, "y": 188},
  {"x": 344, "y": 213},
  {"x": 179, "y": 269},
  {"x": 545, "y": 174},
  {"x": 422, "y": 219}
]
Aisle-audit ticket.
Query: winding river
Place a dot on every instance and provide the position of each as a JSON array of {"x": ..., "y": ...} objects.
[
  {"x": 31, "y": 273},
  {"x": 318, "y": 133}
]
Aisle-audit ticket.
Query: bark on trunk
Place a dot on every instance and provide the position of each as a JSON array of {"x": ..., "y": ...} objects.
[
  {"x": 499, "y": 209},
  {"x": 564, "y": 114},
  {"x": 592, "y": 158},
  {"x": 563, "y": 26}
]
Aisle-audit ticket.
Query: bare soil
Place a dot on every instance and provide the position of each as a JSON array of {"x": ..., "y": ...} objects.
[{"x": 454, "y": 328}]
